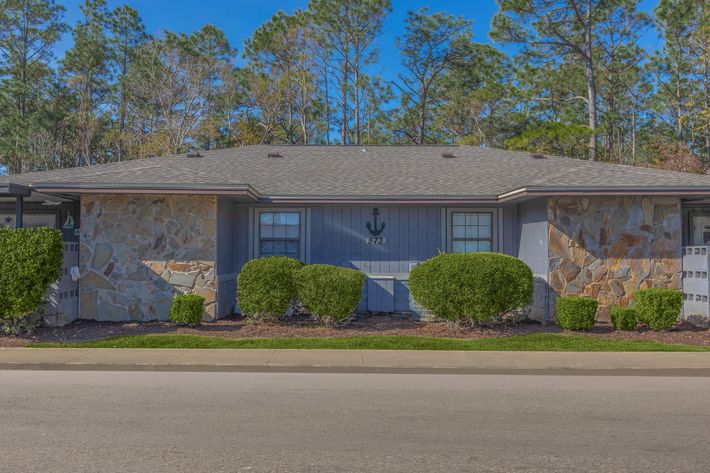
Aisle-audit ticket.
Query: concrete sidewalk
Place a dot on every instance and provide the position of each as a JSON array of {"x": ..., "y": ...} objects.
[{"x": 356, "y": 361}]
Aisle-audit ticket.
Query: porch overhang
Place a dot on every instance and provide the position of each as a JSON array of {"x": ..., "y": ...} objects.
[
  {"x": 18, "y": 192},
  {"x": 14, "y": 190}
]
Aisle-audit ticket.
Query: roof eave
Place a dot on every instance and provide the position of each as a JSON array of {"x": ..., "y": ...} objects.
[
  {"x": 387, "y": 199},
  {"x": 249, "y": 194},
  {"x": 239, "y": 190},
  {"x": 533, "y": 191}
]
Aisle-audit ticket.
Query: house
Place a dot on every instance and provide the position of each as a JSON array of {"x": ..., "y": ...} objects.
[{"x": 142, "y": 230}]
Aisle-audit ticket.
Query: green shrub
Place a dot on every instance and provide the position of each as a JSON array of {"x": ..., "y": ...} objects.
[
  {"x": 658, "y": 308},
  {"x": 576, "y": 313},
  {"x": 624, "y": 318},
  {"x": 30, "y": 261},
  {"x": 23, "y": 325},
  {"x": 187, "y": 309},
  {"x": 330, "y": 293},
  {"x": 471, "y": 286},
  {"x": 266, "y": 286}
]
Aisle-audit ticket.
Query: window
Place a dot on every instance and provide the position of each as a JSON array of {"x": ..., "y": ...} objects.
[
  {"x": 471, "y": 231},
  {"x": 280, "y": 234}
]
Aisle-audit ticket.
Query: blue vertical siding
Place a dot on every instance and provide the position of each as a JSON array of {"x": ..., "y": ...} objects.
[
  {"x": 241, "y": 235},
  {"x": 379, "y": 294},
  {"x": 226, "y": 268},
  {"x": 533, "y": 236},
  {"x": 413, "y": 234},
  {"x": 336, "y": 234},
  {"x": 532, "y": 247}
]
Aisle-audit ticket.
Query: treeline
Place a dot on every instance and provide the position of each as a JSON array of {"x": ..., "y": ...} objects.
[{"x": 579, "y": 84}]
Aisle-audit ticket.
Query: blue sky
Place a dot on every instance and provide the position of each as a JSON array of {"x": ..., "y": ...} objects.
[{"x": 239, "y": 18}]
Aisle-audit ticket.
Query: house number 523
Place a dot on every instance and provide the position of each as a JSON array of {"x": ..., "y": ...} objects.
[{"x": 375, "y": 240}]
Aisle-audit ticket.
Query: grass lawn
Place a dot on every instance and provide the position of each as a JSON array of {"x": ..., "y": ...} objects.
[{"x": 532, "y": 342}]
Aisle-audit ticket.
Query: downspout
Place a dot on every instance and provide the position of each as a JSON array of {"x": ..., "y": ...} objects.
[
  {"x": 19, "y": 200},
  {"x": 548, "y": 290}
]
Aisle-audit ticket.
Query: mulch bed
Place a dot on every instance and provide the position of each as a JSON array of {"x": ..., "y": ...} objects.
[{"x": 238, "y": 327}]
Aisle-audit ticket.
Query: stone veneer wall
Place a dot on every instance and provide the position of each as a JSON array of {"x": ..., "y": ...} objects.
[
  {"x": 138, "y": 250},
  {"x": 608, "y": 247}
]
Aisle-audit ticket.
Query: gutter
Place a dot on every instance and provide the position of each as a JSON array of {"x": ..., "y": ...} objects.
[
  {"x": 243, "y": 190},
  {"x": 390, "y": 199},
  {"x": 517, "y": 195},
  {"x": 247, "y": 192},
  {"x": 531, "y": 192}
]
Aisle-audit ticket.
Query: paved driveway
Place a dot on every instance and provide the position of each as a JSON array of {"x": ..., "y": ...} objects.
[{"x": 65, "y": 421}]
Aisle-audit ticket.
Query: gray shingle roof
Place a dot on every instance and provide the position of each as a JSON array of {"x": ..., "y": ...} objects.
[{"x": 381, "y": 171}]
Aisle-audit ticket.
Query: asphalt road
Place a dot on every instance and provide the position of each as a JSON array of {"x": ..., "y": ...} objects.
[{"x": 63, "y": 421}]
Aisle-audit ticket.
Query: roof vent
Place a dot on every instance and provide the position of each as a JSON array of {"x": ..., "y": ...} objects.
[
  {"x": 448, "y": 155},
  {"x": 274, "y": 154},
  {"x": 538, "y": 156},
  {"x": 194, "y": 154}
]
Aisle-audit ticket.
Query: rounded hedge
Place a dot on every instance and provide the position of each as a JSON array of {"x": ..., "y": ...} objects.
[
  {"x": 266, "y": 286},
  {"x": 624, "y": 318},
  {"x": 187, "y": 309},
  {"x": 471, "y": 286},
  {"x": 30, "y": 261},
  {"x": 658, "y": 308},
  {"x": 576, "y": 312},
  {"x": 329, "y": 293}
]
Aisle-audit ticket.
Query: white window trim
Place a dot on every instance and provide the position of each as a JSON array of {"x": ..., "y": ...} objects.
[
  {"x": 495, "y": 223},
  {"x": 254, "y": 236}
]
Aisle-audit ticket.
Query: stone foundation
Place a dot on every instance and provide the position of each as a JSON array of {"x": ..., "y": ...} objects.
[
  {"x": 138, "y": 251},
  {"x": 609, "y": 247}
]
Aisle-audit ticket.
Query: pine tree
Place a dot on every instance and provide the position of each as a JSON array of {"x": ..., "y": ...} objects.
[
  {"x": 550, "y": 29},
  {"x": 350, "y": 30},
  {"x": 430, "y": 45},
  {"x": 29, "y": 29},
  {"x": 86, "y": 69},
  {"x": 127, "y": 35},
  {"x": 682, "y": 67}
]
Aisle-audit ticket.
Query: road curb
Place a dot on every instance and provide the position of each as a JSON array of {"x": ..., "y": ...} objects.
[
  {"x": 357, "y": 361},
  {"x": 678, "y": 372}
]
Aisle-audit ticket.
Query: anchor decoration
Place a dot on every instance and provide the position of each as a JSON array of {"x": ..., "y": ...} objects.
[{"x": 372, "y": 228}]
